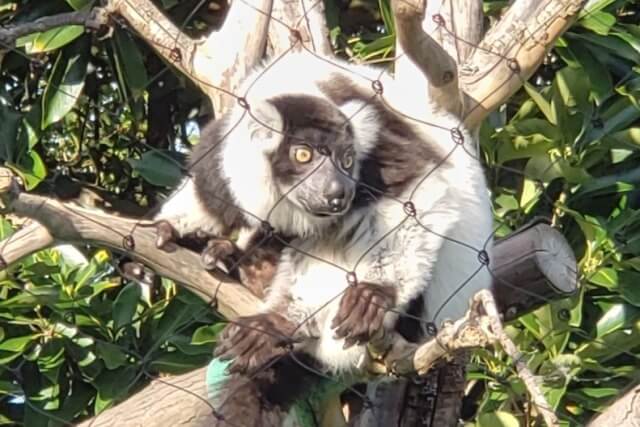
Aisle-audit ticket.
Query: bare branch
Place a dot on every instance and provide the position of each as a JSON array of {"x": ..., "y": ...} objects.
[
  {"x": 88, "y": 18},
  {"x": 157, "y": 403},
  {"x": 488, "y": 304},
  {"x": 30, "y": 238},
  {"x": 511, "y": 51},
  {"x": 216, "y": 64},
  {"x": 69, "y": 222},
  {"x": 307, "y": 18},
  {"x": 624, "y": 412},
  {"x": 435, "y": 63}
]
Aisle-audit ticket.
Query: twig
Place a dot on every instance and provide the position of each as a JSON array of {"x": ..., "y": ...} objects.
[
  {"x": 89, "y": 18},
  {"x": 489, "y": 305}
]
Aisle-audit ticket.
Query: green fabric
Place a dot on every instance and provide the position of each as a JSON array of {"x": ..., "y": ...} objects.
[{"x": 304, "y": 409}]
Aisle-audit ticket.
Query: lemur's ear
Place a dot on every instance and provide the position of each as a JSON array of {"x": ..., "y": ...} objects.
[
  {"x": 265, "y": 125},
  {"x": 365, "y": 121}
]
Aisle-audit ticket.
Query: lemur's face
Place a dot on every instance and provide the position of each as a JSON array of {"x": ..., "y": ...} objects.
[{"x": 314, "y": 164}]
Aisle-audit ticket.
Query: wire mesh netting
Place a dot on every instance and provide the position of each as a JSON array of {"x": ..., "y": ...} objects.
[{"x": 406, "y": 215}]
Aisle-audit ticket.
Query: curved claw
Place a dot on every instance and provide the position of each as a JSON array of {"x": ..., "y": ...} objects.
[{"x": 216, "y": 250}]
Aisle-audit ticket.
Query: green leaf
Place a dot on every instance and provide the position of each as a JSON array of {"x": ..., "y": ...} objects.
[
  {"x": 17, "y": 344},
  {"x": 112, "y": 384},
  {"x": 10, "y": 121},
  {"x": 111, "y": 354},
  {"x": 178, "y": 363},
  {"x": 79, "y": 4},
  {"x": 598, "y": 22},
  {"x": 606, "y": 277},
  {"x": 598, "y": 74},
  {"x": 31, "y": 169},
  {"x": 158, "y": 168},
  {"x": 207, "y": 334},
  {"x": 611, "y": 345},
  {"x": 53, "y": 39},
  {"x": 124, "y": 307},
  {"x": 541, "y": 102},
  {"x": 497, "y": 419},
  {"x": 616, "y": 317},
  {"x": 65, "y": 84},
  {"x": 130, "y": 63}
]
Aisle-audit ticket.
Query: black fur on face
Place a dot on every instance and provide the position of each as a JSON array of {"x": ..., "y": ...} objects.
[
  {"x": 399, "y": 156},
  {"x": 314, "y": 162}
]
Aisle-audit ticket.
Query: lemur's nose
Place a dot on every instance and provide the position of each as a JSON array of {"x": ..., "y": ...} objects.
[
  {"x": 336, "y": 205},
  {"x": 335, "y": 195}
]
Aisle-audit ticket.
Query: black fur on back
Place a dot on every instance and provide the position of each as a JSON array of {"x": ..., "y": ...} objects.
[
  {"x": 205, "y": 165},
  {"x": 399, "y": 157}
]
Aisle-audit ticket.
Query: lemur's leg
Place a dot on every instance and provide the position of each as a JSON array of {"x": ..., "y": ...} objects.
[
  {"x": 362, "y": 311},
  {"x": 264, "y": 398},
  {"x": 253, "y": 341}
]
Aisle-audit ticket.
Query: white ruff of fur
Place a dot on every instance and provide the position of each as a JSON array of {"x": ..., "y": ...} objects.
[{"x": 452, "y": 202}]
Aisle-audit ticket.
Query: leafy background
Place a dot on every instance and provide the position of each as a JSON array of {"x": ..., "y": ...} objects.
[{"x": 105, "y": 112}]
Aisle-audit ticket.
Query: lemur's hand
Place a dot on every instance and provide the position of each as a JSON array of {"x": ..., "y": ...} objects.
[
  {"x": 253, "y": 341},
  {"x": 361, "y": 312},
  {"x": 166, "y": 236},
  {"x": 217, "y": 249}
]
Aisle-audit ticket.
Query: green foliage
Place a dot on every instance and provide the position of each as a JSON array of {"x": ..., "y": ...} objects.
[
  {"x": 76, "y": 336},
  {"x": 566, "y": 147}
]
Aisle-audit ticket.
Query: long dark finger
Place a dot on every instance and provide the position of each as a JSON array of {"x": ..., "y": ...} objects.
[
  {"x": 346, "y": 303},
  {"x": 354, "y": 320}
]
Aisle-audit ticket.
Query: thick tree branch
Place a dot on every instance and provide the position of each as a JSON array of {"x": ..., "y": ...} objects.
[
  {"x": 624, "y": 412},
  {"x": 487, "y": 71},
  {"x": 511, "y": 51},
  {"x": 71, "y": 223},
  {"x": 434, "y": 62},
  {"x": 304, "y": 16},
  {"x": 217, "y": 63}
]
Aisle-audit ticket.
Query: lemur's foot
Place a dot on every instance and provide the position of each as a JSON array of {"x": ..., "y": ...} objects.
[
  {"x": 253, "y": 341},
  {"x": 217, "y": 250},
  {"x": 361, "y": 312},
  {"x": 166, "y": 236}
]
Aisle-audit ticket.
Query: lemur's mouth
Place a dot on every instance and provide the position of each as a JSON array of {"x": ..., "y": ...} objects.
[{"x": 324, "y": 212}]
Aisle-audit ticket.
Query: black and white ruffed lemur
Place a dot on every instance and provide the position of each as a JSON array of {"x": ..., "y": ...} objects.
[{"x": 376, "y": 200}]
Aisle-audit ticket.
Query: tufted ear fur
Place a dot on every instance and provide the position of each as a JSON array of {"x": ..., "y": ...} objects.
[
  {"x": 364, "y": 119},
  {"x": 266, "y": 126}
]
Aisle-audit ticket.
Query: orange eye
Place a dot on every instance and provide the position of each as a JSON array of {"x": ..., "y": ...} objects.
[{"x": 303, "y": 155}]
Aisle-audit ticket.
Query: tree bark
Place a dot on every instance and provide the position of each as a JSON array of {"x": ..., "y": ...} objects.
[{"x": 624, "y": 412}]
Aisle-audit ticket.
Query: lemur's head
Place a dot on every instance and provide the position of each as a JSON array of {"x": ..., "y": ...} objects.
[
  {"x": 314, "y": 162},
  {"x": 310, "y": 145}
]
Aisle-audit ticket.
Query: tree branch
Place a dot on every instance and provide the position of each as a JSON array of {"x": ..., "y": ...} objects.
[
  {"x": 71, "y": 223},
  {"x": 624, "y": 412},
  {"x": 89, "y": 18},
  {"x": 421, "y": 51},
  {"x": 217, "y": 63},
  {"x": 305, "y": 16},
  {"x": 511, "y": 51},
  {"x": 442, "y": 36}
]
